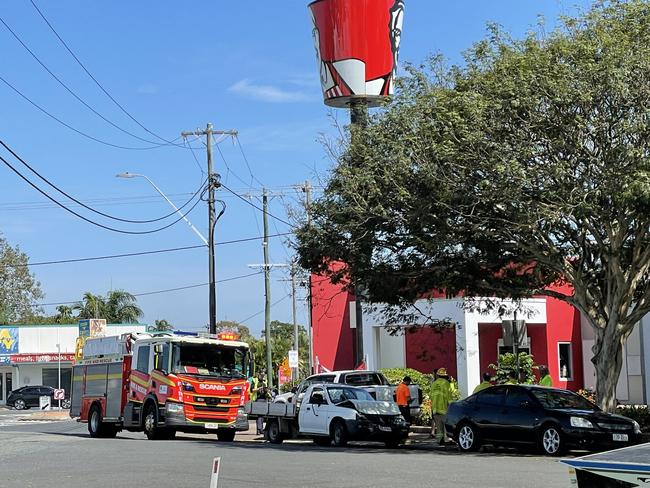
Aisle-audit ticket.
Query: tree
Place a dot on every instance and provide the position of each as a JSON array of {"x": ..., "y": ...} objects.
[
  {"x": 64, "y": 315},
  {"x": 162, "y": 325},
  {"x": 282, "y": 341},
  {"x": 118, "y": 307},
  {"x": 19, "y": 288},
  {"x": 527, "y": 167}
]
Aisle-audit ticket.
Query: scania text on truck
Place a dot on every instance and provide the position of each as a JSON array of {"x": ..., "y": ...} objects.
[{"x": 162, "y": 383}]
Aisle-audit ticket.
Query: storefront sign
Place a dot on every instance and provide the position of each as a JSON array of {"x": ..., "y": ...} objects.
[
  {"x": 92, "y": 328},
  {"x": 5, "y": 359},
  {"x": 41, "y": 358},
  {"x": 8, "y": 340}
]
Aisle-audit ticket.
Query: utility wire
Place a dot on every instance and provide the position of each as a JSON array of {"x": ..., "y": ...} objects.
[
  {"x": 262, "y": 311},
  {"x": 241, "y": 149},
  {"x": 131, "y": 232},
  {"x": 141, "y": 253},
  {"x": 71, "y": 92},
  {"x": 160, "y": 291},
  {"x": 52, "y": 185},
  {"x": 101, "y": 87},
  {"x": 65, "y": 124},
  {"x": 258, "y": 208}
]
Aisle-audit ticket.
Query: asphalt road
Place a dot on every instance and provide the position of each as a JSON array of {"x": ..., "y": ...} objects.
[{"x": 62, "y": 454}]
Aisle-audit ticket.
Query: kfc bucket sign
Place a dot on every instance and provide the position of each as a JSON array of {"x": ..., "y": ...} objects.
[{"x": 357, "y": 45}]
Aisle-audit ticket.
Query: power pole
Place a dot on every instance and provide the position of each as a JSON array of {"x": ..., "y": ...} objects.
[
  {"x": 213, "y": 184},
  {"x": 307, "y": 190},
  {"x": 267, "y": 291}
]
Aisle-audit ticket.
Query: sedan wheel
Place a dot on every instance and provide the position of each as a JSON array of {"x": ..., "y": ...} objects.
[
  {"x": 468, "y": 438},
  {"x": 19, "y": 404},
  {"x": 552, "y": 441}
]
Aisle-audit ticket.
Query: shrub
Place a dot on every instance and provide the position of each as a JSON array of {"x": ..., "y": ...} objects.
[{"x": 507, "y": 363}]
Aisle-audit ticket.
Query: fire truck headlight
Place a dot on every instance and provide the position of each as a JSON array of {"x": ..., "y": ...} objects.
[
  {"x": 175, "y": 408},
  {"x": 241, "y": 413},
  {"x": 236, "y": 390}
]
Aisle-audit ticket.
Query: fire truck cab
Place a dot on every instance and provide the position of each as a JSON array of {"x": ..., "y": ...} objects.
[{"x": 162, "y": 383}]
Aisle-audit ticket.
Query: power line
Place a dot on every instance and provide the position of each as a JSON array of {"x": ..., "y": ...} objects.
[
  {"x": 262, "y": 311},
  {"x": 168, "y": 290},
  {"x": 65, "y": 124},
  {"x": 258, "y": 208},
  {"x": 69, "y": 90},
  {"x": 241, "y": 149},
  {"x": 101, "y": 87},
  {"x": 141, "y": 253},
  {"x": 131, "y": 232},
  {"x": 52, "y": 185}
]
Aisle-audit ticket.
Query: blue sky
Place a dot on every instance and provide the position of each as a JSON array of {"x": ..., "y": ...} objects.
[{"x": 246, "y": 65}]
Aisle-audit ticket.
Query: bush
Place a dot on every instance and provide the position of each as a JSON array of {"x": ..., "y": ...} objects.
[
  {"x": 395, "y": 375},
  {"x": 507, "y": 363},
  {"x": 640, "y": 413}
]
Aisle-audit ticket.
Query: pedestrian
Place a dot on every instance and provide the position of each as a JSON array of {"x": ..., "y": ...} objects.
[
  {"x": 403, "y": 397},
  {"x": 486, "y": 383},
  {"x": 252, "y": 385},
  {"x": 545, "y": 377},
  {"x": 262, "y": 396},
  {"x": 441, "y": 397}
]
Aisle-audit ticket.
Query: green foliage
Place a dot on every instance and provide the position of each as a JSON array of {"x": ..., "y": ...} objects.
[
  {"x": 507, "y": 364},
  {"x": 118, "y": 307},
  {"x": 162, "y": 325},
  {"x": 18, "y": 287},
  {"x": 532, "y": 151}
]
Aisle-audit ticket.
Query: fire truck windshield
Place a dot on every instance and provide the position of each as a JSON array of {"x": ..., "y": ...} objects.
[{"x": 209, "y": 360}]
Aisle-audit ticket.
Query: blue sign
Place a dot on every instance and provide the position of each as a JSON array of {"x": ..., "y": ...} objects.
[
  {"x": 84, "y": 328},
  {"x": 5, "y": 359},
  {"x": 8, "y": 340}
]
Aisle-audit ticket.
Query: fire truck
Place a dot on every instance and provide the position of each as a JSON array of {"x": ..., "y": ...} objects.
[{"x": 162, "y": 383}]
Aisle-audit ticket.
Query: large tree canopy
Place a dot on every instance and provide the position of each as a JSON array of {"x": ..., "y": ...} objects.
[
  {"x": 18, "y": 287},
  {"x": 535, "y": 153}
]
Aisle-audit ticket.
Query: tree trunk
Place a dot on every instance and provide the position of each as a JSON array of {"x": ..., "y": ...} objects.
[{"x": 608, "y": 360}]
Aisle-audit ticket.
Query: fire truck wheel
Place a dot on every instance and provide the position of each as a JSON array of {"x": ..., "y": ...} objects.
[
  {"x": 95, "y": 428},
  {"x": 226, "y": 435},
  {"x": 151, "y": 429}
]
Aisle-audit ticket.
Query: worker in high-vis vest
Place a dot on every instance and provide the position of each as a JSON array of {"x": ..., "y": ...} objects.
[
  {"x": 486, "y": 383},
  {"x": 545, "y": 377},
  {"x": 440, "y": 395}
]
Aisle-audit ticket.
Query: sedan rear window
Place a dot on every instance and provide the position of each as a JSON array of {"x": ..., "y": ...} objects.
[{"x": 562, "y": 399}]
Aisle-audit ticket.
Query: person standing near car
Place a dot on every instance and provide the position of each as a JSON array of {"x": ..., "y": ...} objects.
[
  {"x": 486, "y": 383},
  {"x": 545, "y": 377},
  {"x": 441, "y": 397},
  {"x": 403, "y": 398}
]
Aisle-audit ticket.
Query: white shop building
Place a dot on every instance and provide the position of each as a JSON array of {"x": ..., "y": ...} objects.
[{"x": 33, "y": 354}]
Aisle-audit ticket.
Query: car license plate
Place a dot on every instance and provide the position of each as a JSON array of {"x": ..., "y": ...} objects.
[
  {"x": 211, "y": 426},
  {"x": 385, "y": 429},
  {"x": 620, "y": 437}
]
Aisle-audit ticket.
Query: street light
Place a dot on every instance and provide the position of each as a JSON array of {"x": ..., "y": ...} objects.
[{"x": 136, "y": 175}]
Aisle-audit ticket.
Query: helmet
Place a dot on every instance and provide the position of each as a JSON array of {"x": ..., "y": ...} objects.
[{"x": 442, "y": 372}]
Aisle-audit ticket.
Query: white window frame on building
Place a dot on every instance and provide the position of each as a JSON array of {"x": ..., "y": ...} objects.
[{"x": 562, "y": 377}]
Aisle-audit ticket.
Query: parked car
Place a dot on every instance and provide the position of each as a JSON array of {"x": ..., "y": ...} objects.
[
  {"x": 553, "y": 419},
  {"x": 29, "y": 396},
  {"x": 374, "y": 382}
]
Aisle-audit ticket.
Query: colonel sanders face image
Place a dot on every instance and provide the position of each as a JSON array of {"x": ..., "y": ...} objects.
[{"x": 357, "y": 47}]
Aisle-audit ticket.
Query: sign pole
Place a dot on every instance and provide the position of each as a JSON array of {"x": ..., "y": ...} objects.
[{"x": 214, "y": 479}]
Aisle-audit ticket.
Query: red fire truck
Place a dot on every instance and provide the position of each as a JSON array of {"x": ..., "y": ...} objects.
[{"x": 162, "y": 383}]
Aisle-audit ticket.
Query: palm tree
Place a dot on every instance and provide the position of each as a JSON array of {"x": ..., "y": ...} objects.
[
  {"x": 163, "y": 325},
  {"x": 122, "y": 308},
  {"x": 64, "y": 314},
  {"x": 91, "y": 307}
]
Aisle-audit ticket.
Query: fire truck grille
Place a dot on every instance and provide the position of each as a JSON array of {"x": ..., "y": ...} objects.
[{"x": 209, "y": 408}]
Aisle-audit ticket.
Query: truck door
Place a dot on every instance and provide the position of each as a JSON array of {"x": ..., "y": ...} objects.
[{"x": 313, "y": 413}]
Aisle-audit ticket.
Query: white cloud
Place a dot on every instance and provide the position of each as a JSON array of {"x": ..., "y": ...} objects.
[{"x": 268, "y": 93}]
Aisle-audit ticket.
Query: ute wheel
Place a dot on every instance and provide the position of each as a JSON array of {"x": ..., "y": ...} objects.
[
  {"x": 552, "y": 440},
  {"x": 151, "y": 429},
  {"x": 468, "y": 438},
  {"x": 273, "y": 433},
  {"x": 322, "y": 441},
  {"x": 393, "y": 443},
  {"x": 66, "y": 403},
  {"x": 226, "y": 435},
  {"x": 339, "y": 434},
  {"x": 19, "y": 404}
]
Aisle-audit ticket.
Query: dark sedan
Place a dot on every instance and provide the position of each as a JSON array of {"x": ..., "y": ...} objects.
[
  {"x": 553, "y": 419},
  {"x": 29, "y": 396}
]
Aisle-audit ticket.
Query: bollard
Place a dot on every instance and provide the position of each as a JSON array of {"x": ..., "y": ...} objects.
[{"x": 214, "y": 479}]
